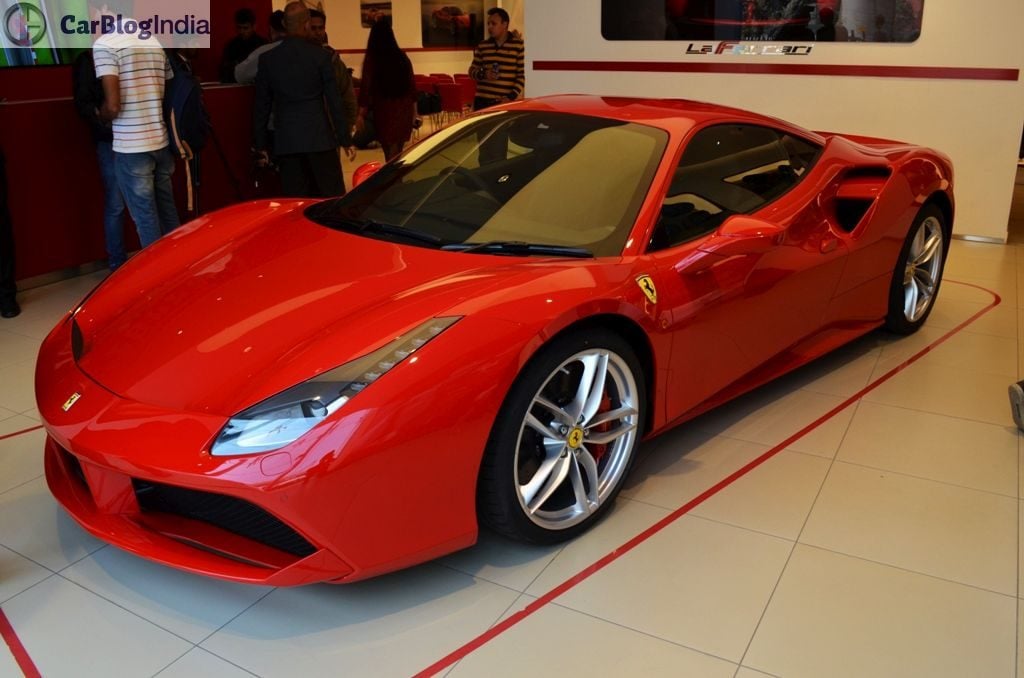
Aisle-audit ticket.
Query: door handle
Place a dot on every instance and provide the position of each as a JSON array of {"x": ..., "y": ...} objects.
[{"x": 829, "y": 245}]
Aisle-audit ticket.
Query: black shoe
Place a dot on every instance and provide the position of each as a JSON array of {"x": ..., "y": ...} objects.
[{"x": 9, "y": 308}]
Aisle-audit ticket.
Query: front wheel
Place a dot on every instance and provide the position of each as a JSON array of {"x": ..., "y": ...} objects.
[
  {"x": 564, "y": 439},
  {"x": 918, "y": 273}
]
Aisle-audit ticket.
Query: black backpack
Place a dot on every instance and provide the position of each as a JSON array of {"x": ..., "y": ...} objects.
[{"x": 188, "y": 123}]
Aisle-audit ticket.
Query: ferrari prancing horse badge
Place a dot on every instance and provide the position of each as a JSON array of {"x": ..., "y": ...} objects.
[
  {"x": 69, "y": 403},
  {"x": 647, "y": 285}
]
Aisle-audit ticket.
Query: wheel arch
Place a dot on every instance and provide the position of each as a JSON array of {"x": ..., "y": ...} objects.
[
  {"x": 634, "y": 334},
  {"x": 941, "y": 200}
]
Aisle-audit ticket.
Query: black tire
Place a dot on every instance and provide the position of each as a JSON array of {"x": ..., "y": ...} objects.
[
  {"x": 516, "y": 452},
  {"x": 904, "y": 315}
]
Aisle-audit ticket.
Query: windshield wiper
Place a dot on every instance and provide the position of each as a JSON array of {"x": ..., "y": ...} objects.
[
  {"x": 378, "y": 227},
  {"x": 520, "y": 249}
]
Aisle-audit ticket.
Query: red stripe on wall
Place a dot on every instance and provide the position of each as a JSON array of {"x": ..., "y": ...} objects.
[
  {"x": 925, "y": 72},
  {"x": 25, "y": 662}
]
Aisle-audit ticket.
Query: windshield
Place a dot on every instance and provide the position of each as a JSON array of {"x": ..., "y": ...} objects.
[{"x": 520, "y": 177}]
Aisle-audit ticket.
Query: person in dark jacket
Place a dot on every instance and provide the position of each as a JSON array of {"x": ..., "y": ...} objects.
[
  {"x": 8, "y": 304},
  {"x": 296, "y": 79},
  {"x": 88, "y": 96},
  {"x": 242, "y": 45}
]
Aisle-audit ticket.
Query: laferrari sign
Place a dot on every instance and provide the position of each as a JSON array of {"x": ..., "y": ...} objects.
[{"x": 748, "y": 49}]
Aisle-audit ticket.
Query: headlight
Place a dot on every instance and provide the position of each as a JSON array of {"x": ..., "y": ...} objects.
[{"x": 285, "y": 417}]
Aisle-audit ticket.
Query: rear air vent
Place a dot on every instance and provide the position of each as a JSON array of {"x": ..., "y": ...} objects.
[{"x": 858, "y": 189}]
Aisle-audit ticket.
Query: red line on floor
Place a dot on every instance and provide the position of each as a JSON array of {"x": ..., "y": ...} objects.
[
  {"x": 25, "y": 662},
  {"x": 21, "y": 432},
  {"x": 622, "y": 550}
]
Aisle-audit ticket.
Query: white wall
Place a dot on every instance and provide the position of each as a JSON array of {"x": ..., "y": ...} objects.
[
  {"x": 978, "y": 123},
  {"x": 346, "y": 32}
]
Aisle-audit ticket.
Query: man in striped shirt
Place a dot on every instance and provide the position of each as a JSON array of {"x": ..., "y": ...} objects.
[
  {"x": 498, "y": 63},
  {"x": 133, "y": 74}
]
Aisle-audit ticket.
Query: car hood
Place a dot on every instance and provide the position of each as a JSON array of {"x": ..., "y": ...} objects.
[{"x": 249, "y": 301}]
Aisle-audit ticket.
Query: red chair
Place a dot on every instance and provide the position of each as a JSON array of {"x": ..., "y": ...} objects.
[
  {"x": 468, "y": 86},
  {"x": 451, "y": 101}
]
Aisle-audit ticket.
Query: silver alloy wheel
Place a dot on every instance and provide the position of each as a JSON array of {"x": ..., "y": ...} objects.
[
  {"x": 924, "y": 265},
  {"x": 576, "y": 439}
]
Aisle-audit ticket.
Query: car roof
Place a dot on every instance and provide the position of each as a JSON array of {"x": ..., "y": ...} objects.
[{"x": 673, "y": 115}]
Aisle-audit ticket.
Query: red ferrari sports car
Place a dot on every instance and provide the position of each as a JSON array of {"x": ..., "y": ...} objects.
[{"x": 482, "y": 331}]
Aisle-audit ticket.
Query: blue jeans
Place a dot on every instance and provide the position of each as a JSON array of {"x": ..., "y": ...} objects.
[
  {"x": 145, "y": 181},
  {"x": 113, "y": 206}
]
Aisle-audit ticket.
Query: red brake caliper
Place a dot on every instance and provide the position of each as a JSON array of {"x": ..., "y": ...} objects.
[{"x": 598, "y": 451}]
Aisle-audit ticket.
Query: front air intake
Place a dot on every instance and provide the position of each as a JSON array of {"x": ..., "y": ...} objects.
[{"x": 228, "y": 513}]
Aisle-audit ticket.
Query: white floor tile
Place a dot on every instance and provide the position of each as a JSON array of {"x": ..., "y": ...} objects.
[
  {"x": 950, "y": 532},
  {"x": 976, "y": 290},
  {"x": 967, "y": 351},
  {"x": 746, "y": 672},
  {"x": 1001, "y": 321},
  {"x": 944, "y": 390},
  {"x": 774, "y": 498},
  {"x": 21, "y": 456},
  {"x": 199, "y": 664},
  {"x": 389, "y": 626},
  {"x": 35, "y": 526},
  {"x": 696, "y": 583},
  {"x": 187, "y": 605},
  {"x": 18, "y": 574},
  {"x": 626, "y": 520},
  {"x": 562, "y": 642},
  {"x": 770, "y": 415},
  {"x": 68, "y": 631},
  {"x": 672, "y": 475},
  {"x": 837, "y": 616},
  {"x": 957, "y": 451},
  {"x": 18, "y": 392},
  {"x": 502, "y": 561},
  {"x": 842, "y": 372},
  {"x": 8, "y": 665},
  {"x": 16, "y": 348}
]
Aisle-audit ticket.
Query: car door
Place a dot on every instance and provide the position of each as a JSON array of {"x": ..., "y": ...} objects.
[{"x": 743, "y": 257}]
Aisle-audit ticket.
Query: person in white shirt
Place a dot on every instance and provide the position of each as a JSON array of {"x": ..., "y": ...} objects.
[{"x": 133, "y": 75}]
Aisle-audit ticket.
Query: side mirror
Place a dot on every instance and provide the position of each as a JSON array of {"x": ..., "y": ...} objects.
[
  {"x": 364, "y": 172},
  {"x": 740, "y": 235}
]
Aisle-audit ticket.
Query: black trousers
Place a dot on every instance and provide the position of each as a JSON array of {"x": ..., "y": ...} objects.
[
  {"x": 311, "y": 175},
  {"x": 7, "y": 288}
]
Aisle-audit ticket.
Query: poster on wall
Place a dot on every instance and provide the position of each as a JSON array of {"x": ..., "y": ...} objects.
[
  {"x": 758, "y": 20},
  {"x": 371, "y": 12},
  {"x": 448, "y": 23}
]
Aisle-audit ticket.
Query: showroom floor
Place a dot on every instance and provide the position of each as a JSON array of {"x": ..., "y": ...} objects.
[{"x": 881, "y": 542}]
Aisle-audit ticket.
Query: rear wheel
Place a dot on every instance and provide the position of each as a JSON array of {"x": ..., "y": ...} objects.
[
  {"x": 564, "y": 440},
  {"x": 918, "y": 273}
]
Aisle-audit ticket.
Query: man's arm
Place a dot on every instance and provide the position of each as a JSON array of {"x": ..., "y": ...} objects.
[
  {"x": 108, "y": 70},
  {"x": 474, "y": 68},
  {"x": 245, "y": 72},
  {"x": 261, "y": 108},
  {"x": 520, "y": 71},
  {"x": 335, "y": 110},
  {"x": 348, "y": 94}
]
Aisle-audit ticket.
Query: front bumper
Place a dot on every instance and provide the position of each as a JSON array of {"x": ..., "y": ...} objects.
[{"x": 380, "y": 488}]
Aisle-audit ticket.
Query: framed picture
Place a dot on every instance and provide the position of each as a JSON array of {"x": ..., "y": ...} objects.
[
  {"x": 763, "y": 20},
  {"x": 371, "y": 12},
  {"x": 448, "y": 23}
]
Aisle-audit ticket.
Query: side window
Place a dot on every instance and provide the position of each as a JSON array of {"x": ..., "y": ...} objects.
[{"x": 726, "y": 170}]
